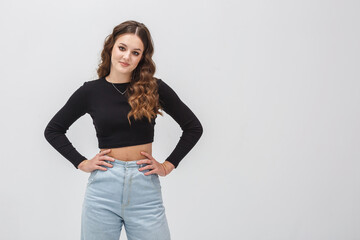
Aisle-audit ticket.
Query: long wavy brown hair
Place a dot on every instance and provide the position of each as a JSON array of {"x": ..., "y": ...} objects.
[{"x": 142, "y": 91}]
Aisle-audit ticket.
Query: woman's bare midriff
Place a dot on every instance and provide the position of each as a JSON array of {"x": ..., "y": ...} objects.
[{"x": 129, "y": 153}]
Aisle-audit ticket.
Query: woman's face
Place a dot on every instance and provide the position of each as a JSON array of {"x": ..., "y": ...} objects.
[{"x": 126, "y": 53}]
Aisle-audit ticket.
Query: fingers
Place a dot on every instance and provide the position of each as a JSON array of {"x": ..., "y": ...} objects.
[
  {"x": 102, "y": 157},
  {"x": 104, "y": 152},
  {"x": 154, "y": 169},
  {"x": 146, "y": 167},
  {"x": 101, "y": 168},
  {"x": 100, "y": 162},
  {"x": 150, "y": 172},
  {"x": 107, "y": 164},
  {"x": 106, "y": 157},
  {"x": 100, "y": 165},
  {"x": 148, "y": 161},
  {"x": 153, "y": 165},
  {"x": 147, "y": 155}
]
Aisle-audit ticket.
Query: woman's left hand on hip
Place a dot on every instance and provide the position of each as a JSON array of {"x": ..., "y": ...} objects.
[{"x": 153, "y": 165}]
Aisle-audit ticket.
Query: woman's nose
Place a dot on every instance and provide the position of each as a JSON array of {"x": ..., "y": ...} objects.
[{"x": 126, "y": 55}]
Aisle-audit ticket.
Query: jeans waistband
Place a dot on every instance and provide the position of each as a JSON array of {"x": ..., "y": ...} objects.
[{"x": 127, "y": 164}]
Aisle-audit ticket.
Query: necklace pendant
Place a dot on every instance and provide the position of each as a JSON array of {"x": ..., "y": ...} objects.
[{"x": 122, "y": 93}]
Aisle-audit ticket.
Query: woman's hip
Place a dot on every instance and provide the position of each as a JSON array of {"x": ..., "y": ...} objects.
[{"x": 123, "y": 182}]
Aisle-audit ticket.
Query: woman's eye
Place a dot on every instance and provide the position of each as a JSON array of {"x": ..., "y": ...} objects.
[{"x": 136, "y": 53}]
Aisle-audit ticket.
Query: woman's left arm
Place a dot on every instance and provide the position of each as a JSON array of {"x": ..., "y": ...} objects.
[
  {"x": 182, "y": 114},
  {"x": 189, "y": 123}
]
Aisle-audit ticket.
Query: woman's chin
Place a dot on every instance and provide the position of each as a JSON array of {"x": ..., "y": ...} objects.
[{"x": 122, "y": 70}]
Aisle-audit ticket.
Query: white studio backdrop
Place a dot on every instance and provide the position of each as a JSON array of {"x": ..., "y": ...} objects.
[{"x": 274, "y": 83}]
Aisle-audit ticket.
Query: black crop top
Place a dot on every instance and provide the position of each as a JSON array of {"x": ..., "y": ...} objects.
[{"x": 108, "y": 110}]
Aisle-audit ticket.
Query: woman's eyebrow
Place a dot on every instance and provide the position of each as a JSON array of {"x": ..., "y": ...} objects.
[{"x": 134, "y": 49}]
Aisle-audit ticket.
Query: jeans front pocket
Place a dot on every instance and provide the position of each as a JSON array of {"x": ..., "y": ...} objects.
[
  {"x": 155, "y": 181},
  {"x": 92, "y": 176},
  {"x": 152, "y": 179}
]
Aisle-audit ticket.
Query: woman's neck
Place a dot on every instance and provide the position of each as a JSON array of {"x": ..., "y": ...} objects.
[{"x": 118, "y": 78}]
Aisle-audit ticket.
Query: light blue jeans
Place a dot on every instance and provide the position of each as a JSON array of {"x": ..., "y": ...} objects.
[{"x": 123, "y": 195}]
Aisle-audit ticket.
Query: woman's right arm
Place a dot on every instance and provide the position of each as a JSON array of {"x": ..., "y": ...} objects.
[{"x": 74, "y": 108}]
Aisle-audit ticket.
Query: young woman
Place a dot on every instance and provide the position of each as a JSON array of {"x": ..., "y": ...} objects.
[{"x": 123, "y": 187}]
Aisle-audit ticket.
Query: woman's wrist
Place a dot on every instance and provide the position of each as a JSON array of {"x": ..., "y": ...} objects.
[
  {"x": 166, "y": 172},
  {"x": 82, "y": 163},
  {"x": 168, "y": 166}
]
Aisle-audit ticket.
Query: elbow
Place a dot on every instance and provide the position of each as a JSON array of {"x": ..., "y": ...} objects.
[
  {"x": 194, "y": 129},
  {"x": 47, "y": 133},
  {"x": 50, "y": 132},
  {"x": 197, "y": 130},
  {"x": 200, "y": 130}
]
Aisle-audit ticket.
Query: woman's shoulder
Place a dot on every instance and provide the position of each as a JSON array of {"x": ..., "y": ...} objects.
[
  {"x": 166, "y": 92},
  {"x": 161, "y": 84},
  {"x": 93, "y": 82}
]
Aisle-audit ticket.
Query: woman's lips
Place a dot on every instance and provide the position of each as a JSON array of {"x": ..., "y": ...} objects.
[{"x": 124, "y": 64}]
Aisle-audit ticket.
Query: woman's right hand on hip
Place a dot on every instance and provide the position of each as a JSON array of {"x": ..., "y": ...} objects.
[{"x": 95, "y": 162}]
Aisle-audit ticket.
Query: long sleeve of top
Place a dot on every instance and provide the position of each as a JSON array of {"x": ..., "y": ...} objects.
[
  {"x": 108, "y": 110},
  {"x": 56, "y": 129},
  {"x": 182, "y": 114}
]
